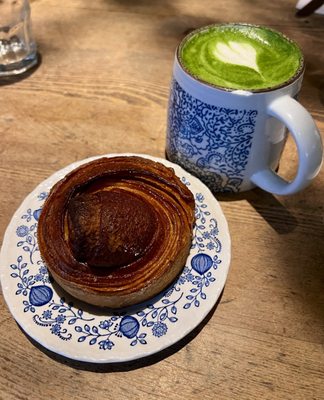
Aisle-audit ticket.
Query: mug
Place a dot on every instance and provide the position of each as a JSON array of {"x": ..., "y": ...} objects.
[{"x": 233, "y": 139}]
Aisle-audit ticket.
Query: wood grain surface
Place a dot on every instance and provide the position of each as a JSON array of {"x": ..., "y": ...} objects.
[{"x": 102, "y": 87}]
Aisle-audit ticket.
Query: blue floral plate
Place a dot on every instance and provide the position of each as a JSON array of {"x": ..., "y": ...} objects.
[{"x": 76, "y": 330}]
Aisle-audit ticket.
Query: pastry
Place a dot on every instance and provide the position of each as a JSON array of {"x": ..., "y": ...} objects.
[{"x": 116, "y": 231}]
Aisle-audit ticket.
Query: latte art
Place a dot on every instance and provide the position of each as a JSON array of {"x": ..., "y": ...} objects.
[
  {"x": 237, "y": 53},
  {"x": 240, "y": 56}
]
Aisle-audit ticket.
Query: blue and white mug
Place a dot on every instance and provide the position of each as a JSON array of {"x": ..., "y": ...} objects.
[{"x": 233, "y": 140}]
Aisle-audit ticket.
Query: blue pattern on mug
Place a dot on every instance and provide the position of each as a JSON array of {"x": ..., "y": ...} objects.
[{"x": 211, "y": 142}]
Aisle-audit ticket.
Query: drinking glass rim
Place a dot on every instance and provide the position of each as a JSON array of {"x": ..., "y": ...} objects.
[{"x": 294, "y": 78}]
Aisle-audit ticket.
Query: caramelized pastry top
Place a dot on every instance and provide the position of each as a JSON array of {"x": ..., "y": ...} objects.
[
  {"x": 116, "y": 225},
  {"x": 110, "y": 228}
]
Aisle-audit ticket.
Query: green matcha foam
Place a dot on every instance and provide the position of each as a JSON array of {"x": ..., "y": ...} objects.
[{"x": 241, "y": 57}]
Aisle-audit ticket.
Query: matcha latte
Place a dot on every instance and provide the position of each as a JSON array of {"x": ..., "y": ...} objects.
[{"x": 239, "y": 56}]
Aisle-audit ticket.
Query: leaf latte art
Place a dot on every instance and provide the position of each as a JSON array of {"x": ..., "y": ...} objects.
[
  {"x": 238, "y": 56},
  {"x": 237, "y": 53}
]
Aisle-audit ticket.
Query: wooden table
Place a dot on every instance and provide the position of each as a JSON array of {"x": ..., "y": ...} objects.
[{"x": 102, "y": 87}]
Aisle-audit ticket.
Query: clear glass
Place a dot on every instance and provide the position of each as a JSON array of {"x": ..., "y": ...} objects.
[{"x": 17, "y": 47}]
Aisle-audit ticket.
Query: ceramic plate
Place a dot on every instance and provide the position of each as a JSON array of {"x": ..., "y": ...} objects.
[{"x": 73, "y": 329}]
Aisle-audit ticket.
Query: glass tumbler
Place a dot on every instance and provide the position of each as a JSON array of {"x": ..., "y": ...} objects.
[{"x": 17, "y": 46}]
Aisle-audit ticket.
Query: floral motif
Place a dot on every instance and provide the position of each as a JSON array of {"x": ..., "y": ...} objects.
[
  {"x": 159, "y": 329},
  {"x": 26, "y": 282},
  {"x": 205, "y": 236},
  {"x": 129, "y": 326},
  {"x": 66, "y": 314},
  {"x": 210, "y": 142},
  {"x": 118, "y": 326},
  {"x": 22, "y": 231},
  {"x": 47, "y": 314},
  {"x": 29, "y": 242},
  {"x": 200, "y": 282},
  {"x": 40, "y": 295}
]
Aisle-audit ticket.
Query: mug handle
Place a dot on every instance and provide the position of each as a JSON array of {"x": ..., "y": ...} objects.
[{"x": 309, "y": 146}]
